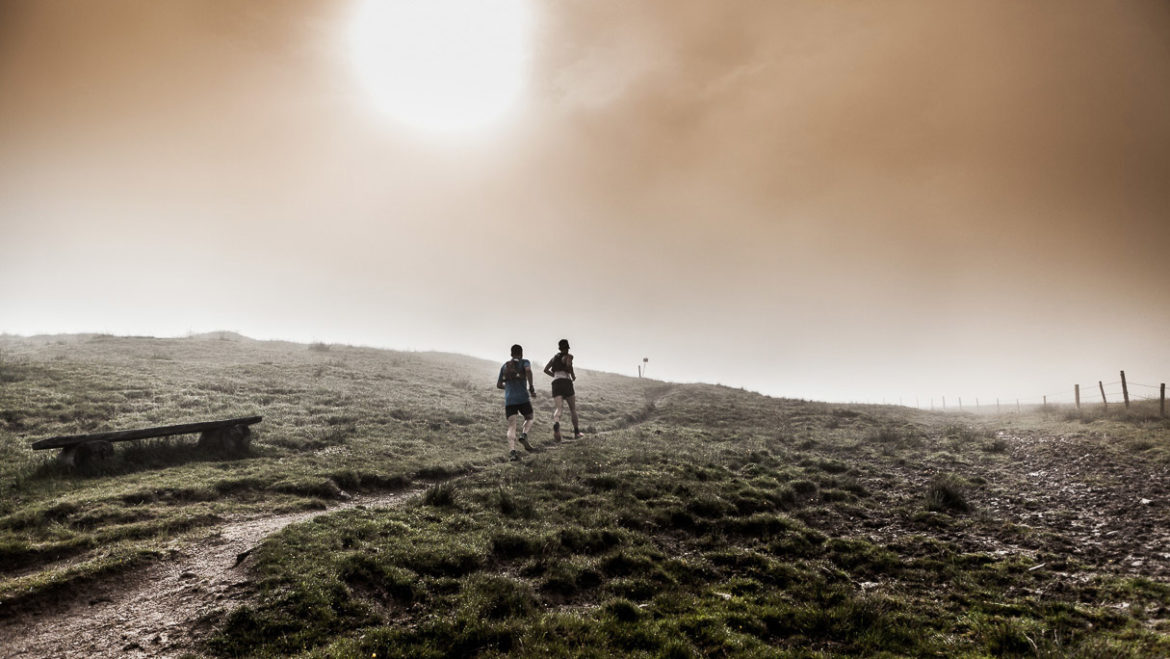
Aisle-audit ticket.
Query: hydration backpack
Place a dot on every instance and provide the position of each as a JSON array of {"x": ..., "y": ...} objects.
[
  {"x": 558, "y": 362},
  {"x": 513, "y": 370}
]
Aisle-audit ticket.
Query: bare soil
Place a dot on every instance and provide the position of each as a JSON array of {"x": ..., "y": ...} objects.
[
  {"x": 157, "y": 611},
  {"x": 1112, "y": 511},
  {"x": 1070, "y": 497}
]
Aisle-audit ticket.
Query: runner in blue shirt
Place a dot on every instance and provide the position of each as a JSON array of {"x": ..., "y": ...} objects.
[{"x": 514, "y": 374}]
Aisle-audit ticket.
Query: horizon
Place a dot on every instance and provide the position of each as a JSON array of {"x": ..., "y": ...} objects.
[
  {"x": 845, "y": 202},
  {"x": 1090, "y": 394}
]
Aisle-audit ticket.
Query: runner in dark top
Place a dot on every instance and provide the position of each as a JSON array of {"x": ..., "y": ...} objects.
[
  {"x": 560, "y": 369},
  {"x": 514, "y": 375}
]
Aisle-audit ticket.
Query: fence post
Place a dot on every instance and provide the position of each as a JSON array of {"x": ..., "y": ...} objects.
[
  {"x": 1124, "y": 390},
  {"x": 997, "y": 406},
  {"x": 1045, "y": 403},
  {"x": 1163, "y": 406},
  {"x": 1103, "y": 400},
  {"x": 944, "y": 402},
  {"x": 1077, "y": 391},
  {"x": 1018, "y": 410},
  {"x": 960, "y": 403}
]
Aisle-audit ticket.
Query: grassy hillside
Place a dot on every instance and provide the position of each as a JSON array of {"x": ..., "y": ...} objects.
[
  {"x": 338, "y": 420},
  {"x": 694, "y": 520}
]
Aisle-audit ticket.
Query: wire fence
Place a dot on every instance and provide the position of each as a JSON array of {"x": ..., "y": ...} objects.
[{"x": 1100, "y": 394}]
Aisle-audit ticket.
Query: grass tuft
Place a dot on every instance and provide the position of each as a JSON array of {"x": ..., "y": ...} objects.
[
  {"x": 441, "y": 495},
  {"x": 623, "y": 610},
  {"x": 493, "y": 597},
  {"x": 947, "y": 494}
]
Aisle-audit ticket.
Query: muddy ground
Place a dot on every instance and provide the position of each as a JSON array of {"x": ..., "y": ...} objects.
[{"x": 1043, "y": 495}]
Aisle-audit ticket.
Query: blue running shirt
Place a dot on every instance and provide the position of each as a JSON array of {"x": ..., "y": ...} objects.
[{"x": 516, "y": 391}]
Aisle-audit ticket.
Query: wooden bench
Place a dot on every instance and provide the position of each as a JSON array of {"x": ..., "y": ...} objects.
[{"x": 226, "y": 436}]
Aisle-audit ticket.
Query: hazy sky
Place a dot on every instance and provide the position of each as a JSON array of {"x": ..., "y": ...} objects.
[{"x": 847, "y": 200}]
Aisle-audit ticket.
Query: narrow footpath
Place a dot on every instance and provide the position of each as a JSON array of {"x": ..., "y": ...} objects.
[{"x": 156, "y": 612}]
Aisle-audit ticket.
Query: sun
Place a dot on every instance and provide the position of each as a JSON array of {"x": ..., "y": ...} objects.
[{"x": 442, "y": 66}]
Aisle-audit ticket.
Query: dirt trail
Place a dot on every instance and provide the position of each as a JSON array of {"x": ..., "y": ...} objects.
[{"x": 156, "y": 612}]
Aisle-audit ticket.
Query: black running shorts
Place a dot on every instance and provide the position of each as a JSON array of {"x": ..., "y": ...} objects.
[
  {"x": 562, "y": 387},
  {"x": 524, "y": 409}
]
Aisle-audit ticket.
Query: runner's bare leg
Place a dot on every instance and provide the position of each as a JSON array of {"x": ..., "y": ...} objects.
[
  {"x": 560, "y": 401},
  {"x": 573, "y": 413}
]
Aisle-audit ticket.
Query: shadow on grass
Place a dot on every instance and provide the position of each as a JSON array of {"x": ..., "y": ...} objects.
[{"x": 135, "y": 457}]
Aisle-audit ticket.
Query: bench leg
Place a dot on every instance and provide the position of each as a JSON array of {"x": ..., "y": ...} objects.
[
  {"x": 243, "y": 438},
  {"x": 80, "y": 455},
  {"x": 233, "y": 440}
]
